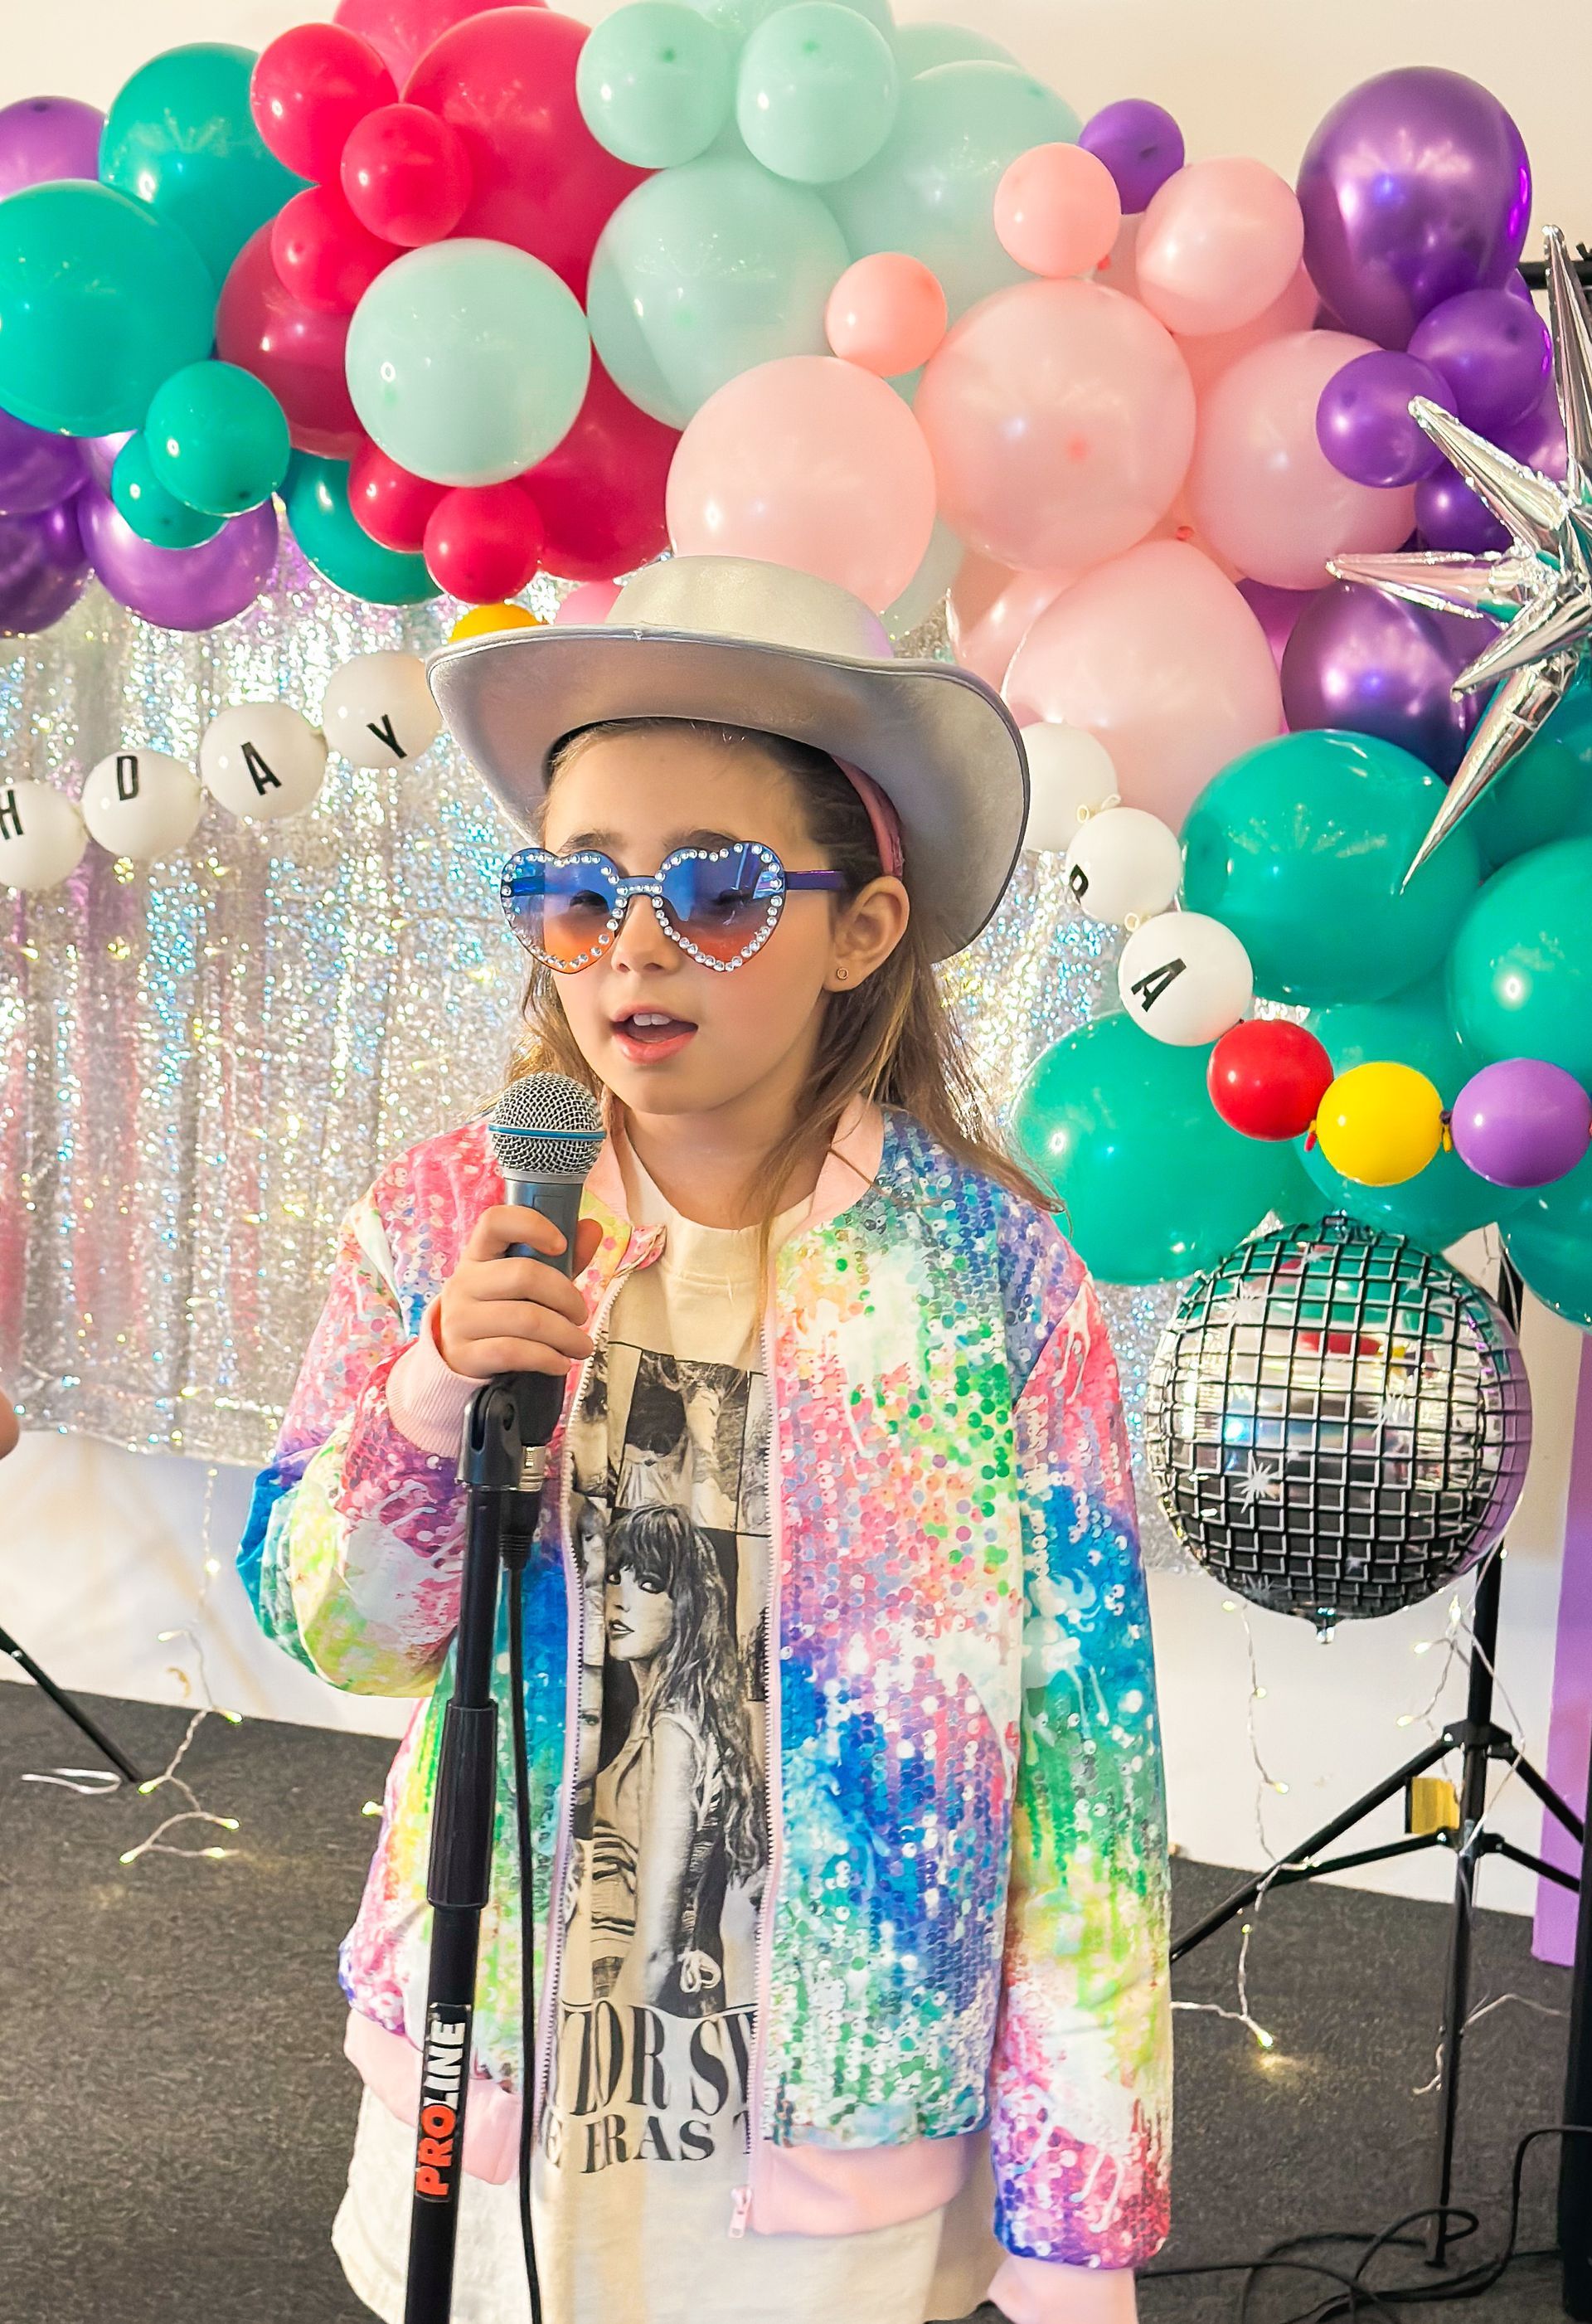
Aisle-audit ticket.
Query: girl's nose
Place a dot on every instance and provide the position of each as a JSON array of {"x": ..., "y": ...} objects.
[{"x": 641, "y": 946}]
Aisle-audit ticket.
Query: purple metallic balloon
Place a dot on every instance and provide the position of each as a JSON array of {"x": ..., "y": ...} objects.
[
  {"x": 1522, "y": 1122},
  {"x": 1141, "y": 145},
  {"x": 1447, "y": 515},
  {"x": 1415, "y": 186},
  {"x": 1276, "y": 611},
  {"x": 100, "y": 452},
  {"x": 180, "y": 588},
  {"x": 42, "y": 567},
  {"x": 42, "y": 138},
  {"x": 37, "y": 467},
  {"x": 1494, "y": 353},
  {"x": 1538, "y": 439},
  {"x": 1363, "y": 421},
  {"x": 1360, "y": 660}
]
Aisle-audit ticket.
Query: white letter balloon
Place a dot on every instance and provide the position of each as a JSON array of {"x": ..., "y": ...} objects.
[
  {"x": 42, "y": 836},
  {"x": 378, "y": 710},
  {"x": 1185, "y": 978},
  {"x": 1123, "y": 866},
  {"x": 262, "y": 759},
  {"x": 142, "y": 804},
  {"x": 1070, "y": 777}
]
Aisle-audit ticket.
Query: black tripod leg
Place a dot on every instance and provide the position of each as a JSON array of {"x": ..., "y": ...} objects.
[
  {"x": 1575, "y": 2161},
  {"x": 74, "y": 1711}
]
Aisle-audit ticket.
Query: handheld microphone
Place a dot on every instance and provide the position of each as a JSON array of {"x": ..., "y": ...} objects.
[{"x": 547, "y": 1132}]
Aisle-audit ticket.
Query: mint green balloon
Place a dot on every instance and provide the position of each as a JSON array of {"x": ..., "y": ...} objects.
[
  {"x": 218, "y": 438},
  {"x": 180, "y": 136},
  {"x": 1520, "y": 976},
  {"x": 817, "y": 93},
  {"x": 1151, "y": 1184},
  {"x": 929, "y": 190},
  {"x": 1300, "y": 846},
  {"x": 1550, "y": 1239},
  {"x": 655, "y": 83},
  {"x": 326, "y": 531},
  {"x": 98, "y": 301},
  {"x": 153, "y": 512},
  {"x": 919, "y": 48},
  {"x": 1545, "y": 794},
  {"x": 736, "y": 20},
  {"x": 702, "y": 271}
]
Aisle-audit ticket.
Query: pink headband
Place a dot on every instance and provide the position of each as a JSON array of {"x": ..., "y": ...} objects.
[{"x": 882, "y": 817}]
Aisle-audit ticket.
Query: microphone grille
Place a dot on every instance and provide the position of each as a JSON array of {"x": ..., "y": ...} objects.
[{"x": 547, "y": 1128}]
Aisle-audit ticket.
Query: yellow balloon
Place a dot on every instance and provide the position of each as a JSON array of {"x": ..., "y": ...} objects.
[
  {"x": 1379, "y": 1124},
  {"x": 481, "y": 619}
]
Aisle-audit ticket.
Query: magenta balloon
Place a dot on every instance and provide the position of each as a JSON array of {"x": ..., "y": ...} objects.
[
  {"x": 1538, "y": 439},
  {"x": 1276, "y": 611},
  {"x": 1522, "y": 1122},
  {"x": 180, "y": 588},
  {"x": 42, "y": 567},
  {"x": 1447, "y": 515},
  {"x": 43, "y": 138},
  {"x": 1415, "y": 186},
  {"x": 37, "y": 467},
  {"x": 1494, "y": 353},
  {"x": 1362, "y": 661},
  {"x": 1363, "y": 421},
  {"x": 1141, "y": 145}
]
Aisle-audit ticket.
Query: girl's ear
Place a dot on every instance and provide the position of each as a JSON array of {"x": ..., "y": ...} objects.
[{"x": 867, "y": 932}]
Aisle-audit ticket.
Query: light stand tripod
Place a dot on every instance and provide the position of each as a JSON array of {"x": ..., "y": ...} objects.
[
  {"x": 74, "y": 1711},
  {"x": 1480, "y": 1739}
]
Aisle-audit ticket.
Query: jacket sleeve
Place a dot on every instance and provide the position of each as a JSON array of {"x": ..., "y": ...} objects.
[
  {"x": 1082, "y": 2077},
  {"x": 355, "y": 1536}
]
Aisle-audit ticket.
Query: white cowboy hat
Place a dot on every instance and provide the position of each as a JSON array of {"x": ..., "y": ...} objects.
[{"x": 728, "y": 639}]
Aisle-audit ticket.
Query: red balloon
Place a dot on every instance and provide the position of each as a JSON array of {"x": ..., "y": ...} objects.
[
  {"x": 308, "y": 90},
  {"x": 601, "y": 491},
  {"x": 483, "y": 541},
  {"x": 296, "y": 351},
  {"x": 506, "y": 82},
  {"x": 322, "y": 253},
  {"x": 406, "y": 175},
  {"x": 1268, "y": 1077},
  {"x": 401, "y": 31},
  {"x": 389, "y": 504}
]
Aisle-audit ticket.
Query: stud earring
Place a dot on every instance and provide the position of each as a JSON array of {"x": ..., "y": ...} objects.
[{"x": 841, "y": 975}]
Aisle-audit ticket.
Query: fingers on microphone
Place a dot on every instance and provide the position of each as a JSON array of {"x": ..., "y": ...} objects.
[
  {"x": 495, "y": 1357},
  {"x": 529, "y": 1323},
  {"x": 511, "y": 1223},
  {"x": 530, "y": 1278}
]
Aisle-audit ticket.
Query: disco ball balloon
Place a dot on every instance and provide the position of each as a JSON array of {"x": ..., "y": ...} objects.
[{"x": 1337, "y": 1423}]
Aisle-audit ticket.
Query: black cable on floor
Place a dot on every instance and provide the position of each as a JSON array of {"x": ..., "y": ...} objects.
[{"x": 515, "y": 1579}]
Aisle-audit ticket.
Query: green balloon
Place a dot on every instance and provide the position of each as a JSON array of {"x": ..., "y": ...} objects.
[
  {"x": 153, "y": 512},
  {"x": 929, "y": 190},
  {"x": 1550, "y": 1239},
  {"x": 704, "y": 271},
  {"x": 1520, "y": 976},
  {"x": 1545, "y": 794},
  {"x": 1151, "y": 1184},
  {"x": 180, "y": 137},
  {"x": 326, "y": 529},
  {"x": 655, "y": 84},
  {"x": 98, "y": 301},
  {"x": 218, "y": 438},
  {"x": 919, "y": 48},
  {"x": 1300, "y": 847},
  {"x": 817, "y": 91},
  {"x": 737, "y": 20}
]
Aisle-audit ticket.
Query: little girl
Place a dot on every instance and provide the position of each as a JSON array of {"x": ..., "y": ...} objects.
[{"x": 849, "y": 1854}]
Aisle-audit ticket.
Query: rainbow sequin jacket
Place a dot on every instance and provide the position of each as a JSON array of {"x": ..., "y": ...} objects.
[{"x": 964, "y": 1926}]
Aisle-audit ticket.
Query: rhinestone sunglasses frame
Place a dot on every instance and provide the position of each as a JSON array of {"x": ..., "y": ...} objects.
[{"x": 628, "y": 887}]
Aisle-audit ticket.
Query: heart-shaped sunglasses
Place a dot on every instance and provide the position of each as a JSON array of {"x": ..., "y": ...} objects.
[{"x": 719, "y": 904}]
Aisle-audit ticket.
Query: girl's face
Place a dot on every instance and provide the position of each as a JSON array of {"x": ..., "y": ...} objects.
[{"x": 639, "y": 1620}]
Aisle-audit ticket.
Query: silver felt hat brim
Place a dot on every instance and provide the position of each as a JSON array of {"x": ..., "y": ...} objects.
[{"x": 935, "y": 739}]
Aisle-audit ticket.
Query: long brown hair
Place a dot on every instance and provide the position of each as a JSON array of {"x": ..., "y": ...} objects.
[{"x": 890, "y": 1039}]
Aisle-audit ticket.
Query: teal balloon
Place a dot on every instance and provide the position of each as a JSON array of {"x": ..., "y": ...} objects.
[
  {"x": 180, "y": 138},
  {"x": 735, "y": 20},
  {"x": 1520, "y": 976},
  {"x": 1150, "y": 1182},
  {"x": 919, "y": 48},
  {"x": 702, "y": 272},
  {"x": 218, "y": 438},
  {"x": 929, "y": 190},
  {"x": 324, "y": 527},
  {"x": 1300, "y": 847},
  {"x": 655, "y": 83},
  {"x": 468, "y": 360},
  {"x": 153, "y": 512},
  {"x": 1550, "y": 1239},
  {"x": 1544, "y": 794},
  {"x": 817, "y": 93},
  {"x": 98, "y": 301}
]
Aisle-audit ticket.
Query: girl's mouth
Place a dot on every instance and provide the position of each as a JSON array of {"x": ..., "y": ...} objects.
[{"x": 647, "y": 1035}]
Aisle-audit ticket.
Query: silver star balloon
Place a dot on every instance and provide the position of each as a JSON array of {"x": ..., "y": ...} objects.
[{"x": 1540, "y": 587}]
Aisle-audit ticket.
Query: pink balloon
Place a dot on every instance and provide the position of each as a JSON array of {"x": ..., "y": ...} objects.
[
  {"x": 587, "y": 603},
  {"x": 1061, "y": 417},
  {"x": 1208, "y": 354},
  {"x": 1161, "y": 659},
  {"x": 1119, "y": 269},
  {"x": 1057, "y": 210},
  {"x": 1262, "y": 490},
  {"x": 1219, "y": 242},
  {"x": 887, "y": 312},
  {"x": 810, "y": 462},
  {"x": 986, "y": 642}
]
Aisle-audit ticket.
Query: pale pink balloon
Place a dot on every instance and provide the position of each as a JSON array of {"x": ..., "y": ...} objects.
[
  {"x": 887, "y": 312},
  {"x": 1056, "y": 210},
  {"x": 1061, "y": 417},
  {"x": 986, "y": 644},
  {"x": 1219, "y": 242},
  {"x": 1161, "y": 659},
  {"x": 1262, "y": 490},
  {"x": 587, "y": 603},
  {"x": 1208, "y": 354},
  {"x": 1118, "y": 270},
  {"x": 810, "y": 462}
]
